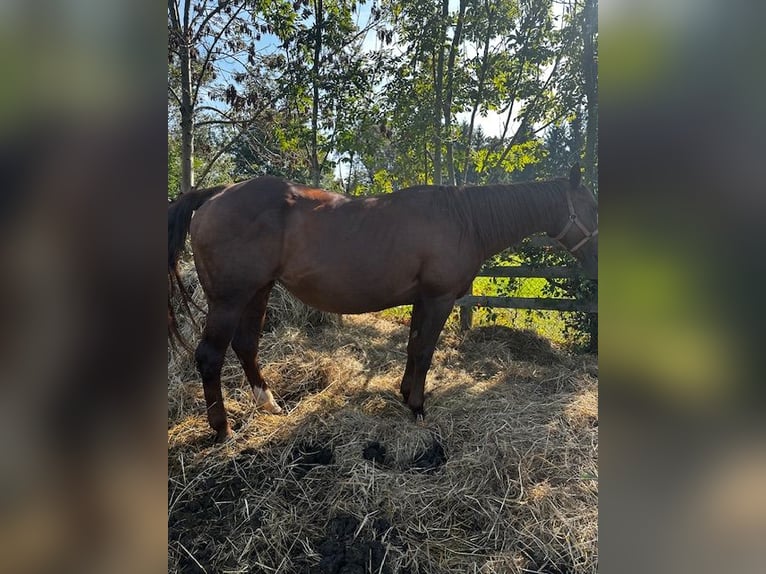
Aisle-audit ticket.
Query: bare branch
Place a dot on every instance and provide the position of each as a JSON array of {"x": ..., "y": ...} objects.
[
  {"x": 330, "y": 147},
  {"x": 174, "y": 94},
  {"x": 245, "y": 126},
  {"x": 209, "y": 54},
  {"x": 212, "y": 109},
  {"x": 220, "y": 122},
  {"x": 525, "y": 121},
  {"x": 207, "y": 19},
  {"x": 218, "y": 155}
]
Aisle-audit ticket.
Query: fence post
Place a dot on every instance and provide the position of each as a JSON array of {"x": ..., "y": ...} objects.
[{"x": 466, "y": 313}]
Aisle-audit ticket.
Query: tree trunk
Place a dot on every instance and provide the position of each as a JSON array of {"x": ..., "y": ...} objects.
[
  {"x": 318, "y": 25},
  {"x": 425, "y": 162},
  {"x": 187, "y": 125},
  {"x": 577, "y": 139},
  {"x": 590, "y": 75},
  {"x": 187, "y": 107},
  {"x": 479, "y": 92},
  {"x": 450, "y": 88},
  {"x": 350, "y": 171},
  {"x": 439, "y": 92},
  {"x": 185, "y": 38}
]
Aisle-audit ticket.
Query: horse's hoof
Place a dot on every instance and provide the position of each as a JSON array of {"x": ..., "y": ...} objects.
[
  {"x": 265, "y": 400},
  {"x": 420, "y": 417},
  {"x": 223, "y": 435},
  {"x": 272, "y": 408}
]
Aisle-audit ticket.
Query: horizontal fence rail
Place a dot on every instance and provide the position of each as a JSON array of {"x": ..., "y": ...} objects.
[
  {"x": 468, "y": 302},
  {"x": 529, "y": 271}
]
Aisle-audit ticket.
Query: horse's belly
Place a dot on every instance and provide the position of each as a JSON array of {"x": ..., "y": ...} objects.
[{"x": 334, "y": 295}]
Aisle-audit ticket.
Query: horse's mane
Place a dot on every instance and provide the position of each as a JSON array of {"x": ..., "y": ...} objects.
[{"x": 488, "y": 212}]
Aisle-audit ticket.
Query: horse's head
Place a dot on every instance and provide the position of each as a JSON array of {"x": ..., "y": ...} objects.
[{"x": 579, "y": 225}]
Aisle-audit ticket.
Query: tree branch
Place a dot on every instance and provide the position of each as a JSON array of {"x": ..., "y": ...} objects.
[
  {"x": 173, "y": 13},
  {"x": 218, "y": 155},
  {"x": 245, "y": 125},
  {"x": 232, "y": 120},
  {"x": 218, "y": 122},
  {"x": 525, "y": 120},
  {"x": 209, "y": 54},
  {"x": 210, "y": 15},
  {"x": 174, "y": 94}
]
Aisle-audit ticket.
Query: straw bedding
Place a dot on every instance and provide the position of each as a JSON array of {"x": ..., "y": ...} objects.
[{"x": 501, "y": 478}]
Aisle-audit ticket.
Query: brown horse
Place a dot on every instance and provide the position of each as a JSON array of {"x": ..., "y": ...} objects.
[{"x": 421, "y": 246}]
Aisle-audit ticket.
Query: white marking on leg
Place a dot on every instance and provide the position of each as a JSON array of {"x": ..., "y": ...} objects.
[{"x": 265, "y": 400}]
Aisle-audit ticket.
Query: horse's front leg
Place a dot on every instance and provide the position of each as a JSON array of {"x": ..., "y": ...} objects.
[
  {"x": 406, "y": 385},
  {"x": 431, "y": 316},
  {"x": 415, "y": 322}
]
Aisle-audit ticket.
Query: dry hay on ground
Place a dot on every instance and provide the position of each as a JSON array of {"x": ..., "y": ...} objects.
[{"x": 503, "y": 477}]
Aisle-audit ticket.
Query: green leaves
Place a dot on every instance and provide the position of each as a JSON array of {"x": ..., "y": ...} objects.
[
  {"x": 514, "y": 159},
  {"x": 394, "y": 87}
]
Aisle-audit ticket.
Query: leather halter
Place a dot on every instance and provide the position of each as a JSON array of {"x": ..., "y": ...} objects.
[{"x": 574, "y": 220}]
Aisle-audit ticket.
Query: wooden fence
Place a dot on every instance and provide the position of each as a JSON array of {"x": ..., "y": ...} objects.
[{"x": 468, "y": 302}]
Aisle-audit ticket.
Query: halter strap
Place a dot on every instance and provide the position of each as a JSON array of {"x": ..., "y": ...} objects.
[{"x": 574, "y": 220}]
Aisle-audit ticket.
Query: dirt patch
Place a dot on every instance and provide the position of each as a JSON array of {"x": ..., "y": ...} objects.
[
  {"x": 344, "y": 552},
  {"x": 431, "y": 459},
  {"x": 198, "y": 523},
  {"x": 374, "y": 451},
  {"x": 307, "y": 456}
]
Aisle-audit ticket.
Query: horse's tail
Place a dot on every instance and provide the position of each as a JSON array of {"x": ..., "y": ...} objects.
[{"x": 179, "y": 219}]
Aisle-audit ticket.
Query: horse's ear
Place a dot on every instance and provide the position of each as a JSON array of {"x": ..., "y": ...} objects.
[{"x": 574, "y": 176}]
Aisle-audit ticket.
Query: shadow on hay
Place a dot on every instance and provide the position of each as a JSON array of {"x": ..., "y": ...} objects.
[
  {"x": 523, "y": 344},
  {"x": 228, "y": 518}
]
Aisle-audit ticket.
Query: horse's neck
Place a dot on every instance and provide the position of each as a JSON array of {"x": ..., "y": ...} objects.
[{"x": 503, "y": 215}]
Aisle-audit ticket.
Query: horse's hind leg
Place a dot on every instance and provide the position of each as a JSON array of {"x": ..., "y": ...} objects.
[
  {"x": 245, "y": 345},
  {"x": 219, "y": 329}
]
